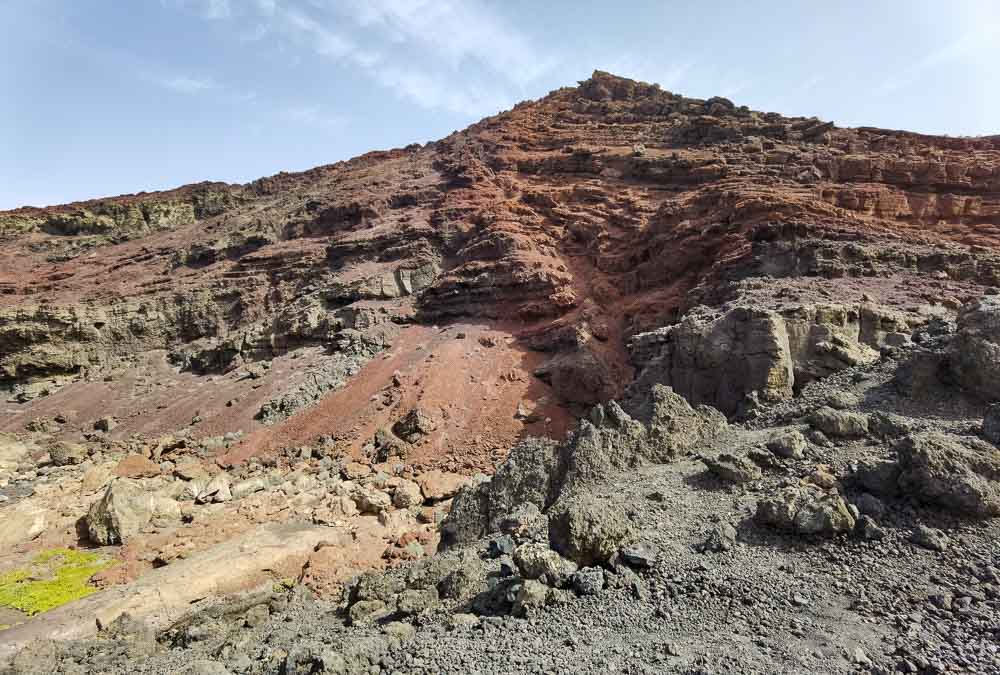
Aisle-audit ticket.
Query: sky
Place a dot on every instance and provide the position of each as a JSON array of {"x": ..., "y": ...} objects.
[{"x": 105, "y": 97}]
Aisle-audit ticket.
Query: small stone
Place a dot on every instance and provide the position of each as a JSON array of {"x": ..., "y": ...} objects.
[
  {"x": 867, "y": 528},
  {"x": 721, "y": 537},
  {"x": 641, "y": 554},
  {"x": 588, "y": 581},
  {"x": 502, "y": 545},
  {"x": 532, "y": 595},
  {"x": 789, "y": 445},
  {"x": 929, "y": 538},
  {"x": 733, "y": 469},
  {"x": 105, "y": 424},
  {"x": 256, "y": 616},
  {"x": 839, "y": 423}
]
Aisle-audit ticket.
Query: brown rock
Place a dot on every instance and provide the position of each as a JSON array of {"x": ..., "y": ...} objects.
[
  {"x": 437, "y": 486},
  {"x": 136, "y": 466}
]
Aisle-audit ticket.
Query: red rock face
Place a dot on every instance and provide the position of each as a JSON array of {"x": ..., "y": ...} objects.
[{"x": 557, "y": 230}]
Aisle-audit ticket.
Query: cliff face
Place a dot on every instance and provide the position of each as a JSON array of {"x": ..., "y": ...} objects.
[{"x": 551, "y": 236}]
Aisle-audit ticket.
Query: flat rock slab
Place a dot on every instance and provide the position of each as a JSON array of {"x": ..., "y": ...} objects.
[{"x": 167, "y": 594}]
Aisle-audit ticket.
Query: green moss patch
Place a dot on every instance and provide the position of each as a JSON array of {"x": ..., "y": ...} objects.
[{"x": 53, "y": 578}]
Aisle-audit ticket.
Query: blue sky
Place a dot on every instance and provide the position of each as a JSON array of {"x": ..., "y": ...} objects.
[{"x": 105, "y": 97}]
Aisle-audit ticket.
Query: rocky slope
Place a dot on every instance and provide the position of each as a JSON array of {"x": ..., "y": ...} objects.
[{"x": 272, "y": 387}]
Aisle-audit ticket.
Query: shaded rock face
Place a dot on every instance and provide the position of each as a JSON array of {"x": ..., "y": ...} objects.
[
  {"x": 722, "y": 359},
  {"x": 539, "y": 472},
  {"x": 974, "y": 354}
]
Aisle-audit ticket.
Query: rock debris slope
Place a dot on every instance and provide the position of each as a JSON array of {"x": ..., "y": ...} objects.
[{"x": 733, "y": 375}]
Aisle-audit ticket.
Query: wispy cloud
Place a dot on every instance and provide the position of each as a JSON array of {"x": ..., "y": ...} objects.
[
  {"x": 445, "y": 54},
  {"x": 186, "y": 85}
]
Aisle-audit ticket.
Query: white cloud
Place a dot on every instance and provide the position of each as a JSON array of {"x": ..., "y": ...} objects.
[
  {"x": 186, "y": 85},
  {"x": 457, "y": 56}
]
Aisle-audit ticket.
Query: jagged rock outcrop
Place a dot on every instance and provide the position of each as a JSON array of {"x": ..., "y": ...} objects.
[
  {"x": 541, "y": 472},
  {"x": 722, "y": 359}
]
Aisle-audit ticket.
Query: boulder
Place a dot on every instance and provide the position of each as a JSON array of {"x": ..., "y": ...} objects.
[
  {"x": 641, "y": 554},
  {"x": 437, "y": 485},
  {"x": 217, "y": 491},
  {"x": 788, "y": 445},
  {"x": 974, "y": 353},
  {"x": 247, "y": 487},
  {"x": 136, "y": 466},
  {"x": 538, "y": 561},
  {"x": 930, "y": 538},
  {"x": 720, "y": 537},
  {"x": 806, "y": 509},
  {"x": 959, "y": 474},
  {"x": 732, "y": 468},
  {"x": 105, "y": 424},
  {"x": 94, "y": 479},
  {"x": 414, "y": 425},
  {"x": 64, "y": 453},
  {"x": 192, "y": 470},
  {"x": 121, "y": 513},
  {"x": 388, "y": 445},
  {"x": 20, "y": 523},
  {"x": 533, "y": 595},
  {"x": 371, "y": 500},
  {"x": 722, "y": 359},
  {"x": 839, "y": 423},
  {"x": 588, "y": 581},
  {"x": 406, "y": 494},
  {"x": 589, "y": 531}
]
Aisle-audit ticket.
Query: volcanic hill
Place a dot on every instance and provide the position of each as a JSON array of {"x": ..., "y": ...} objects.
[{"x": 312, "y": 365}]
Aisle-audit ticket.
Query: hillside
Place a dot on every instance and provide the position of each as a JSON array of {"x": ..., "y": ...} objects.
[{"x": 289, "y": 382}]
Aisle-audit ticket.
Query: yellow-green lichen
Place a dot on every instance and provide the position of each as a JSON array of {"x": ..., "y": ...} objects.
[{"x": 53, "y": 578}]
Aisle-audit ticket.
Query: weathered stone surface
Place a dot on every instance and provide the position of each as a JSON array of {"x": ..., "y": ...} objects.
[
  {"x": 732, "y": 468},
  {"x": 21, "y": 523},
  {"x": 722, "y": 359},
  {"x": 960, "y": 474},
  {"x": 532, "y": 596},
  {"x": 806, "y": 509},
  {"x": 788, "y": 444},
  {"x": 991, "y": 424},
  {"x": 839, "y": 423},
  {"x": 218, "y": 490},
  {"x": 121, "y": 513},
  {"x": 136, "y": 466},
  {"x": 538, "y": 561},
  {"x": 64, "y": 452},
  {"x": 588, "y": 531},
  {"x": 974, "y": 354},
  {"x": 414, "y": 425},
  {"x": 438, "y": 485}
]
